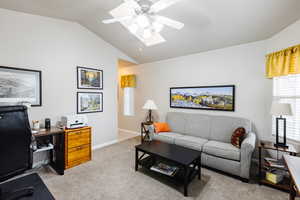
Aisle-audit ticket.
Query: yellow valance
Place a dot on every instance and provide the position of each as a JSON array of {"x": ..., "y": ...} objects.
[
  {"x": 283, "y": 62},
  {"x": 128, "y": 81}
]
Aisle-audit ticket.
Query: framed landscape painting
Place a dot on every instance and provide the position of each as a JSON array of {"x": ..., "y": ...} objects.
[
  {"x": 89, "y": 102},
  {"x": 89, "y": 78},
  {"x": 20, "y": 86},
  {"x": 203, "y": 97}
]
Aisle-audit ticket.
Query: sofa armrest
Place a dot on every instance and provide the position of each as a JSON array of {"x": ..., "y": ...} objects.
[{"x": 247, "y": 148}]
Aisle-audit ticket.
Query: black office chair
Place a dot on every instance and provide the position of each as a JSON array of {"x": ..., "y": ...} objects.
[
  {"x": 15, "y": 152},
  {"x": 16, "y": 155}
]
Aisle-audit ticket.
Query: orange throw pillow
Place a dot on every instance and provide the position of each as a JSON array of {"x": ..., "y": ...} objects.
[{"x": 161, "y": 127}]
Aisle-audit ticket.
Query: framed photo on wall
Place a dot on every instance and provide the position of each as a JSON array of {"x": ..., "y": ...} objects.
[
  {"x": 220, "y": 98},
  {"x": 89, "y": 102},
  {"x": 19, "y": 86},
  {"x": 89, "y": 78}
]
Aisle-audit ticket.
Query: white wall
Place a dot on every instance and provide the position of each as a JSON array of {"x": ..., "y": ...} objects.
[
  {"x": 290, "y": 36},
  {"x": 243, "y": 66},
  {"x": 56, "y": 47}
]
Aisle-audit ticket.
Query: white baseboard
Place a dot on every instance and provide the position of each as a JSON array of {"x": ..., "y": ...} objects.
[
  {"x": 104, "y": 144},
  {"x": 129, "y": 131},
  {"x": 99, "y": 146}
]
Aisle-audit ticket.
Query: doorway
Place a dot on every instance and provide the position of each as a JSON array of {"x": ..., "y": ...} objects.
[{"x": 125, "y": 103}]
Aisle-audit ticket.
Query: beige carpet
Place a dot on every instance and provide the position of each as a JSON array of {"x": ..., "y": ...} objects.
[{"x": 111, "y": 176}]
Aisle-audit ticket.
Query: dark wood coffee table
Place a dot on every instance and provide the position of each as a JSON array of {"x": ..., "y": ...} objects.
[{"x": 187, "y": 160}]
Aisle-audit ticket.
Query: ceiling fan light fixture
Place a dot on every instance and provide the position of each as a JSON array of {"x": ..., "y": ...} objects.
[
  {"x": 158, "y": 27},
  {"x": 133, "y": 28},
  {"x": 143, "y": 21},
  {"x": 147, "y": 33}
]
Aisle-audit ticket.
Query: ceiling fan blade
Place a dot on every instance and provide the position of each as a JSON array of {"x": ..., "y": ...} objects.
[
  {"x": 132, "y": 4},
  {"x": 114, "y": 20},
  {"x": 162, "y": 4},
  {"x": 169, "y": 22}
]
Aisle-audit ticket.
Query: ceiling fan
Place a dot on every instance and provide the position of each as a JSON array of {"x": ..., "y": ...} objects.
[{"x": 141, "y": 19}]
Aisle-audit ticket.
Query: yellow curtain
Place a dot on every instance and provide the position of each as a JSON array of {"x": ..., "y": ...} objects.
[
  {"x": 283, "y": 62},
  {"x": 128, "y": 81}
]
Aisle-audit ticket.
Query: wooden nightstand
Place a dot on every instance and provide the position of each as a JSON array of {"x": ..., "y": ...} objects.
[{"x": 267, "y": 145}]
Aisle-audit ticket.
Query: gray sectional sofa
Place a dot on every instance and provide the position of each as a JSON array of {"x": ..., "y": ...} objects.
[{"x": 212, "y": 135}]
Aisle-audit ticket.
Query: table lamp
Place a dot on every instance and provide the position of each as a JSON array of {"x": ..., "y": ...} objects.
[
  {"x": 280, "y": 109},
  {"x": 150, "y": 105}
]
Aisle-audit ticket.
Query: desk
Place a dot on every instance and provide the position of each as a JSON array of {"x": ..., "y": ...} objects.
[
  {"x": 293, "y": 164},
  {"x": 57, "y": 155}
]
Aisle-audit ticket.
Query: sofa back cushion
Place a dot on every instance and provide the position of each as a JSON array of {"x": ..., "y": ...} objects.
[
  {"x": 211, "y": 127},
  {"x": 176, "y": 121},
  {"x": 222, "y": 127},
  {"x": 198, "y": 125}
]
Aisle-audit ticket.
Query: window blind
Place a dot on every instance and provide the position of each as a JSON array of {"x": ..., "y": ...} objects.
[
  {"x": 129, "y": 101},
  {"x": 286, "y": 89}
]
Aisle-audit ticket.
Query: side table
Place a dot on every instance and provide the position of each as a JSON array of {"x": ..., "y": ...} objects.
[{"x": 267, "y": 145}]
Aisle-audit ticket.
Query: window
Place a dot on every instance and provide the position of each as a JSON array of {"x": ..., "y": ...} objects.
[
  {"x": 286, "y": 89},
  {"x": 129, "y": 101}
]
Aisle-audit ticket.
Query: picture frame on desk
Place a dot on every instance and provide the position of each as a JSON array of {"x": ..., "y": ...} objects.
[
  {"x": 89, "y": 102},
  {"x": 19, "y": 85}
]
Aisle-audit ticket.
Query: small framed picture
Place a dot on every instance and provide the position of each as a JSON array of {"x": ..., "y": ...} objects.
[
  {"x": 19, "y": 86},
  {"x": 89, "y": 102},
  {"x": 89, "y": 78}
]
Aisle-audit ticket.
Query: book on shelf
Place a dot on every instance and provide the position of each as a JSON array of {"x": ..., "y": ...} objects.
[
  {"x": 165, "y": 169},
  {"x": 275, "y": 176},
  {"x": 271, "y": 162}
]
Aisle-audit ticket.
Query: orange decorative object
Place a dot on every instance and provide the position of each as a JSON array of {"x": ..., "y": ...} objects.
[{"x": 161, "y": 127}]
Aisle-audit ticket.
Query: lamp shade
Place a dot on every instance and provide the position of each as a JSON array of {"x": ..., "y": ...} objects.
[
  {"x": 281, "y": 109},
  {"x": 150, "y": 105}
]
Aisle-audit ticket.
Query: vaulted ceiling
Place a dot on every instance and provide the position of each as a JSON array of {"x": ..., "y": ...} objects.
[{"x": 209, "y": 24}]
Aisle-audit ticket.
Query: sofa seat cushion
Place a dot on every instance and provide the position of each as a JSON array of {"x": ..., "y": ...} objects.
[
  {"x": 191, "y": 142},
  {"x": 168, "y": 137},
  {"x": 222, "y": 150}
]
